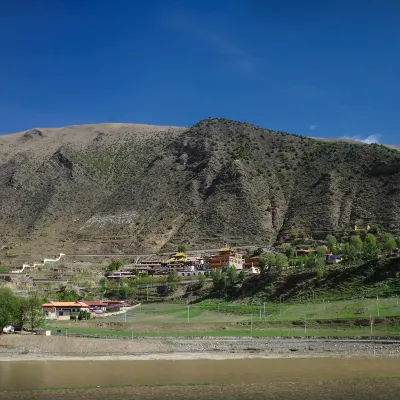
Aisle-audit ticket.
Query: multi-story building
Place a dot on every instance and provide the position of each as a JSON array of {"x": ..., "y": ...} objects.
[{"x": 226, "y": 257}]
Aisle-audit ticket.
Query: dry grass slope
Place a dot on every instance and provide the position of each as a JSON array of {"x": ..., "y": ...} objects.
[{"x": 136, "y": 188}]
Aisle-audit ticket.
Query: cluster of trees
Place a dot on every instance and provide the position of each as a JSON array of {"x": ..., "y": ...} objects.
[
  {"x": 367, "y": 248},
  {"x": 20, "y": 311},
  {"x": 225, "y": 278}
]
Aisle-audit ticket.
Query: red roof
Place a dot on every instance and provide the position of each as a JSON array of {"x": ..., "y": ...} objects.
[
  {"x": 94, "y": 303},
  {"x": 116, "y": 303}
]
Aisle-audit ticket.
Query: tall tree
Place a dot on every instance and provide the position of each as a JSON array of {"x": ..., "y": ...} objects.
[
  {"x": 8, "y": 308},
  {"x": 321, "y": 251},
  {"x": 281, "y": 260},
  {"x": 232, "y": 275},
  {"x": 263, "y": 265},
  {"x": 370, "y": 249},
  {"x": 356, "y": 241},
  {"x": 389, "y": 245},
  {"x": 350, "y": 252},
  {"x": 34, "y": 312},
  {"x": 332, "y": 243},
  {"x": 219, "y": 280},
  {"x": 320, "y": 266},
  {"x": 271, "y": 259}
]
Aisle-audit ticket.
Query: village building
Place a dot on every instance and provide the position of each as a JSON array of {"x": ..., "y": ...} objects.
[
  {"x": 62, "y": 310},
  {"x": 95, "y": 305},
  {"x": 251, "y": 262},
  {"x": 226, "y": 257},
  {"x": 333, "y": 259},
  {"x": 177, "y": 258}
]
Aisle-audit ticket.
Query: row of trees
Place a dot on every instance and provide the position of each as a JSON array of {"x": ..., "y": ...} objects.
[
  {"x": 19, "y": 311},
  {"x": 356, "y": 249}
]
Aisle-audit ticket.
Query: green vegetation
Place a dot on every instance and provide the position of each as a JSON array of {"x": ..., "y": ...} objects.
[
  {"x": 341, "y": 318},
  {"x": 20, "y": 311}
]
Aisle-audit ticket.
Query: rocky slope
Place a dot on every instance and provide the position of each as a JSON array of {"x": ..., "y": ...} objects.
[{"x": 138, "y": 188}]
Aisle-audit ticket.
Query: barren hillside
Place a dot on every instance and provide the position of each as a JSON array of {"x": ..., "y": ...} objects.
[{"x": 136, "y": 188}]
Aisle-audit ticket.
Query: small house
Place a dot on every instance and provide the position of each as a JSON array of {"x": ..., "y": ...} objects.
[
  {"x": 62, "y": 310},
  {"x": 333, "y": 259}
]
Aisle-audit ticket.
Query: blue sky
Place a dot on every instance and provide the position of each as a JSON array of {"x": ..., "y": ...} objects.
[{"x": 303, "y": 67}]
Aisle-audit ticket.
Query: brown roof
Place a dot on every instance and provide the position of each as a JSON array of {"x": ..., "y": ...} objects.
[{"x": 65, "y": 304}]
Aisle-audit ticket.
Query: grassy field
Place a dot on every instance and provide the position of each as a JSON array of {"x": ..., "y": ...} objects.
[{"x": 341, "y": 318}]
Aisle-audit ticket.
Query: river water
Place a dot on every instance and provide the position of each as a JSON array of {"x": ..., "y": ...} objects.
[{"x": 40, "y": 374}]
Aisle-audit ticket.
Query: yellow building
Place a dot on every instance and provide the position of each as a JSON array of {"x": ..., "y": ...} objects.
[{"x": 177, "y": 258}]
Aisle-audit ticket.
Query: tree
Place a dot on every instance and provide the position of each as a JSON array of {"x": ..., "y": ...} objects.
[
  {"x": 389, "y": 245},
  {"x": 321, "y": 251},
  {"x": 332, "y": 243},
  {"x": 356, "y": 242},
  {"x": 320, "y": 266},
  {"x": 34, "y": 312},
  {"x": 232, "y": 275},
  {"x": 281, "y": 260},
  {"x": 84, "y": 315},
  {"x": 263, "y": 265},
  {"x": 172, "y": 281},
  {"x": 370, "y": 250},
  {"x": 350, "y": 252},
  {"x": 114, "y": 266},
  {"x": 182, "y": 248},
  {"x": 271, "y": 259},
  {"x": 219, "y": 280},
  {"x": 8, "y": 308},
  {"x": 289, "y": 251},
  {"x": 242, "y": 276},
  {"x": 21, "y": 312},
  {"x": 202, "y": 280},
  {"x": 370, "y": 239},
  {"x": 68, "y": 295}
]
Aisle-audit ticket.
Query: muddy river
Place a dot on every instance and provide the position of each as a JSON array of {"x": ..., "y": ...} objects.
[{"x": 39, "y": 374}]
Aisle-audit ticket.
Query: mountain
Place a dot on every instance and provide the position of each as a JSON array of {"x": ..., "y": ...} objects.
[{"x": 139, "y": 188}]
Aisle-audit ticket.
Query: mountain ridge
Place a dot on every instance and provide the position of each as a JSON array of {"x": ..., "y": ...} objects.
[{"x": 125, "y": 187}]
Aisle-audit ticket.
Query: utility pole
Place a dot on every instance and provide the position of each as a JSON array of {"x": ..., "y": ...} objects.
[
  {"x": 147, "y": 293},
  {"x": 188, "y": 313},
  {"x": 264, "y": 309},
  {"x": 218, "y": 307},
  {"x": 260, "y": 314},
  {"x": 377, "y": 303},
  {"x": 370, "y": 324},
  {"x": 305, "y": 324},
  {"x": 251, "y": 323}
]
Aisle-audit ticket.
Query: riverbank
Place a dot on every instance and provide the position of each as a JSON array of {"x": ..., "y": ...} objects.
[
  {"x": 373, "y": 389},
  {"x": 16, "y": 347}
]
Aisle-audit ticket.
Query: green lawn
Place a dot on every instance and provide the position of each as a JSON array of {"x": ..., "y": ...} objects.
[
  {"x": 322, "y": 319},
  {"x": 344, "y": 309},
  {"x": 257, "y": 331}
]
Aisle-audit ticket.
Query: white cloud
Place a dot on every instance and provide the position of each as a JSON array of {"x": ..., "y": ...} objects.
[
  {"x": 374, "y": 138},
  {"x": 312, "y": 127}
]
